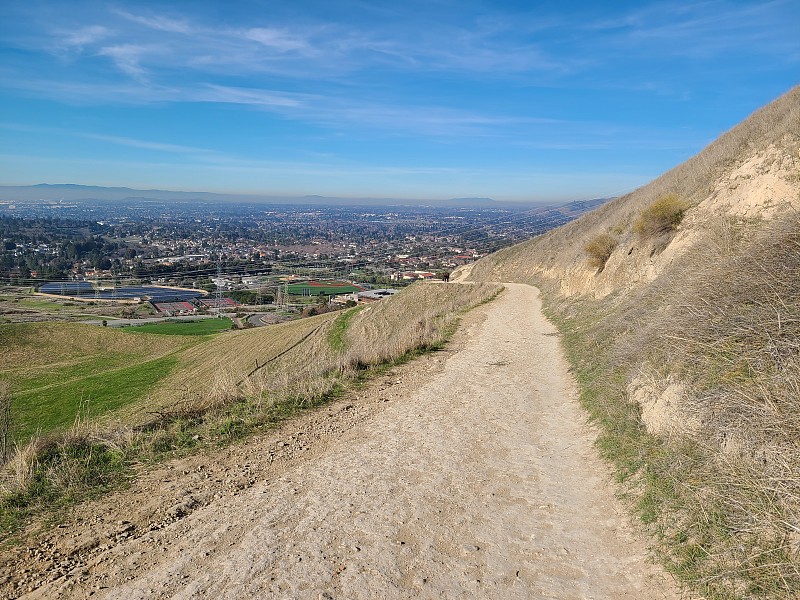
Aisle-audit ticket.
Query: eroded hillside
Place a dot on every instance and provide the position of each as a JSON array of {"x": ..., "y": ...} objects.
[
  {"x": 680, "y": 304},
  {"x": 748, "y": 176}
]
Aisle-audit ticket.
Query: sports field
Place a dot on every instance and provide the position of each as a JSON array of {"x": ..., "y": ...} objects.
[
  {"x": 326, "y": 287},
  {"x": 204, "y": 327}
]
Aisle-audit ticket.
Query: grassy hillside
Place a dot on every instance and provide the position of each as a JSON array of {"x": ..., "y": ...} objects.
[
  {"x": 60, "y": 372},
  {"x": 680, "y": 305},
  {"x": 746, "y": 176},
  {"x": 201, "y": 390}
]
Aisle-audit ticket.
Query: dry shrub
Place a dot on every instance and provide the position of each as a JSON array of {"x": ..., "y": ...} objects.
[
  {"x": 420, "y": 316},
  {"x": 6, "y": 433},
  {"x": 18, "y": 471},
  {"x": 662, "y": 216},
  {"x": 599, "y": 249}
]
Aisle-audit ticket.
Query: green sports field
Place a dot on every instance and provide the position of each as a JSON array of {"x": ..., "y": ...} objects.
[{"x": 204, "y": 327}]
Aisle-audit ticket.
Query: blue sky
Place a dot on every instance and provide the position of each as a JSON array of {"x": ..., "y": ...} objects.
[{"x": 434, "y": 99}]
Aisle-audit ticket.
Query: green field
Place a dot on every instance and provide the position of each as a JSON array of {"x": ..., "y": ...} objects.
[
  {"x": 40, "y": 304},
  {"x": 58, "y": 372},
  {"x": 89, "y": 393},
  {"x": 204, "y": 327},
  {"x": 317, "y": 288}
]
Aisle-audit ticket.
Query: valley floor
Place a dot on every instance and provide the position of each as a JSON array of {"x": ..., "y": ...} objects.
[{"x": 467, "y": 474}]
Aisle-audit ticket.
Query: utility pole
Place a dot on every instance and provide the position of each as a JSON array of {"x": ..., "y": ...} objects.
[{"x": 218, "y": 293}]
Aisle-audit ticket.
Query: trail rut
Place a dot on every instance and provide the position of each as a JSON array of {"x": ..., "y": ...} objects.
[{"x": 481, "y": 482}]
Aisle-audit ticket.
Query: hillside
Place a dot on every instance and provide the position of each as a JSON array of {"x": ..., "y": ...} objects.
[
  {"x": 465, "y": 473},
  {"x": 680, "y": 305},
  {"x": 84, "y": 407}
]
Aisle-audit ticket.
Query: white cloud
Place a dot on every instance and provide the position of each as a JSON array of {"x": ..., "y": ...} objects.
[
  {"x": 159, "y": 22},
  {"x": 144, "y": 144},
  {"x": 277, "y": 39},
  {"x": 86, "y": 35},
  {"x": 127, "y": 58},
  {"x": 250, "y": 96}
]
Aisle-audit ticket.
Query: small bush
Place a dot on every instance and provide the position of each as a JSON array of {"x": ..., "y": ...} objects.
[
  {"x": 599, "y": 250},
  {"x": 662, "y": 216}
]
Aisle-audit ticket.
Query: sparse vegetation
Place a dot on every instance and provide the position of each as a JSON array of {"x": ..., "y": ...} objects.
[
  {"x": 6, "y": 431},
  {"x": 599, "y": 250},
  {"x": 662, "y": 216}
]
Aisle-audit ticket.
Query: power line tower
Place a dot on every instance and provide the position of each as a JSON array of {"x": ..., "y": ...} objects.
[{"x": 218, "y": 293}]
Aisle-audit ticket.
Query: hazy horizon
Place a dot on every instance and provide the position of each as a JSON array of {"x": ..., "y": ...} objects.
[{"x": 78, "y": 192}]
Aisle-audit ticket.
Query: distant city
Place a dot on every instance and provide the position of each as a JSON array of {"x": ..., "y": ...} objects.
[{"x": 206, "y": 244}]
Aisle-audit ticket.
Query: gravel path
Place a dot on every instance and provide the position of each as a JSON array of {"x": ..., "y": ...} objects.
[{"x": 482, "y": 482}]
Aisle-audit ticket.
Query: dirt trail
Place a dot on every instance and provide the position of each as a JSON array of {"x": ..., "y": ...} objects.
[{"x": 479, "y": 482}]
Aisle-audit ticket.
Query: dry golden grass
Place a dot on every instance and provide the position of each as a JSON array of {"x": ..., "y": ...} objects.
[
  {"x": 418, "y": 317},
  {"x": 662, "y": 216},
  {"x": 599, "y": 250},
  {"x": 215, "y": 369}
]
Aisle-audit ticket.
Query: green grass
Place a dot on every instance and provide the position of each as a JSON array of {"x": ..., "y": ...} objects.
[
  {"x": 40, "y": 305},
  {"x": 26, "y": 381},
  {"x": 56, "y": 370},
  {"x": 87, "y": 390},
  {"x": 336, "y": 334},
  {"x": 204, "y": 327}
]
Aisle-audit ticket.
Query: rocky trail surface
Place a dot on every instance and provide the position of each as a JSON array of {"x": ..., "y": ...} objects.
[{"x": 467, "y": 474}]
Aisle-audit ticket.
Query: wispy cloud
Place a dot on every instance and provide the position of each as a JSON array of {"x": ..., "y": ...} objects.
[
  {"x": 248, "y": 96},
  {"x": 704, "y": 29},
  {"x": 128, "y": 58},
  {"x": 86, "y": 35},
  {"x": 113, "y": 139},
  {"x": 277, "y": 39},
  {"x": 158, "y": 22},
  {"x": 145, "y": 144}
]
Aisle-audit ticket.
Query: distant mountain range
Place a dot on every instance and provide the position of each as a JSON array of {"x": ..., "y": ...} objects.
[{"x": 75, "y": 193}]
